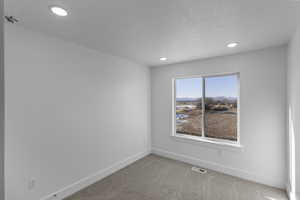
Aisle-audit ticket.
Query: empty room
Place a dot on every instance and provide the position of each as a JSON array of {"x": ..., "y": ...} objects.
[{"x": 150, "y": 100}]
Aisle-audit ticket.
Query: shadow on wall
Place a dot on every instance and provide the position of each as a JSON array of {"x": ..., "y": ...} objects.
[{"x": 292, "y": 158}]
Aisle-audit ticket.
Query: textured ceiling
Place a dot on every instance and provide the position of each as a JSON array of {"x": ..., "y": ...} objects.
[{"x": 181, "y": 30}]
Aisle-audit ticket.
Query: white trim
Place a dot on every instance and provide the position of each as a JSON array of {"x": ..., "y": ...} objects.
[
  {"x": 220, "y": 168},
  {"x": 291, "y": 195},
  {"x": 206, "y": 75},
  {"x": 203, "y": 138},
  {"x": 84, "y": 182},
  {"x": 203, "y": 108},
  {"x": 212, "y": 141}
]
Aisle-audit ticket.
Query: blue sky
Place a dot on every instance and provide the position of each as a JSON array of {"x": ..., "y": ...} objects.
[{"x": 215, "y": 86}]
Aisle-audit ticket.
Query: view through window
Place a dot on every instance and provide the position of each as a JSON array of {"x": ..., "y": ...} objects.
[{"x": 218, "y": 119}]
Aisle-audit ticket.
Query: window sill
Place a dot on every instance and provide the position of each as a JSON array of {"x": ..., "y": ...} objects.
[{"x": 209, "y": 142}]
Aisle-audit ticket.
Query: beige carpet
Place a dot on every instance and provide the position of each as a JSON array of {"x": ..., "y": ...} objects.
[{"x": 158, "y": 178}]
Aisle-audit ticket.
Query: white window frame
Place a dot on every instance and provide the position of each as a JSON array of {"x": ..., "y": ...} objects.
[{"x": 203, "y": 138}]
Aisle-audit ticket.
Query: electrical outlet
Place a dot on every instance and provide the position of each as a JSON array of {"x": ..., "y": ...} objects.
[
  {"x": 54, "y": 197},
  {"x": 31, "y": 184},
  {"x": 199, "y": 170}
]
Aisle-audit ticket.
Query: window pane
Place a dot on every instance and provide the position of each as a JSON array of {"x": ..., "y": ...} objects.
[
  {"x": 221, "y": 94},
  {"x": 189, "y": 106}
]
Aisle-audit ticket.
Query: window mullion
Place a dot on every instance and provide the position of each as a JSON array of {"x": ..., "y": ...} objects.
[{"x": 203, "y": 106}]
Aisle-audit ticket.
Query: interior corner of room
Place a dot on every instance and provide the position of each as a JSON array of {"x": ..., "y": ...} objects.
[{"x": 150, "y": 100}]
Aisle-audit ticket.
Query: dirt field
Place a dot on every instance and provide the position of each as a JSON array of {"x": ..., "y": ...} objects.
[
  {"x": 219, "y": 124},
  {"x": 222, "y": 125},
  {"x": 192, "y": 125}
]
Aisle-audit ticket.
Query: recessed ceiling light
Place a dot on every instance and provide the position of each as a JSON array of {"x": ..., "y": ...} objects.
[
  {"x": 232, "y": 44},
  {"x": 163, "y": 59},
  {"x": 59, "y": 11}
]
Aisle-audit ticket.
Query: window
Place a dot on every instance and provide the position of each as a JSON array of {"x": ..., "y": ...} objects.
[{"x": 206, "y": 108}]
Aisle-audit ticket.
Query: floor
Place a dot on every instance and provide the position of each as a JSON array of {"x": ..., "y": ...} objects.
[{"x": 158, "y": 178}]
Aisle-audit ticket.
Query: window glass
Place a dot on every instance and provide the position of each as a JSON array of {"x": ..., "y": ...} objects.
[
  {"x": 189, "y": 106},
  {"x": 221, "y": 95}
]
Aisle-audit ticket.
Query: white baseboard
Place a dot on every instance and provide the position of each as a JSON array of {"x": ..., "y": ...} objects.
[
  {"x": 289, "y": 192},
  {"x": 83, "y": 183},
  {"x": 220, "y": 168},
  {"x": 291, "y": 195}
]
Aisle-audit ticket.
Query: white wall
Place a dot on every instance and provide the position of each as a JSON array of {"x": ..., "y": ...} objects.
[
  {"x": 294, "y": 108},
  {"x": 1, "y": 103},
  {"x": 262, "y": 127},
  {"x": 71, "y": 112}
]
